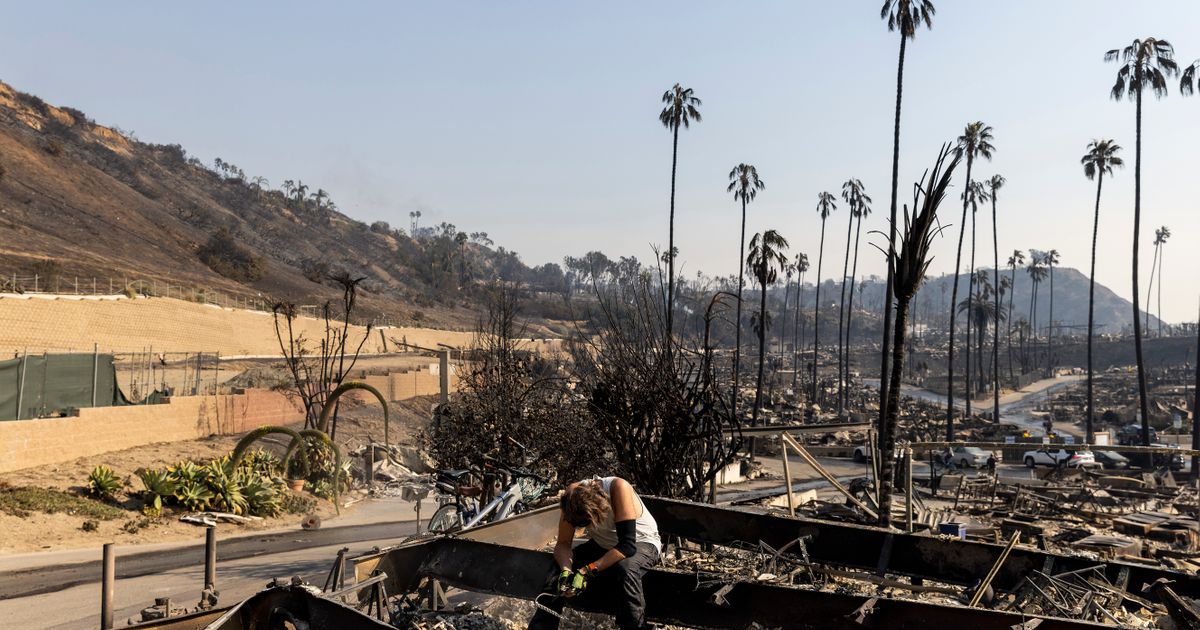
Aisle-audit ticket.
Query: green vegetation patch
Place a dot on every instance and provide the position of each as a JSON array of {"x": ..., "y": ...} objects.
[{"x": 20, "y": 501}]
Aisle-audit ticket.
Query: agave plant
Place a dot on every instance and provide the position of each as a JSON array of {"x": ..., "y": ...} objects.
[
  {"x": 159, "y": 485},
  {"x": 103, "y": 483},
  {"x": 225, "y": 485},
  {"x": 262, "y": 462},
  {"x": 263, "y": 497},
  {"x": 186, "y": 471},
  {"x": 194, "y": 495}
]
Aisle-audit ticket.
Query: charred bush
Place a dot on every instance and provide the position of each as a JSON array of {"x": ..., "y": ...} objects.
[{"x": 226, "y": 256}]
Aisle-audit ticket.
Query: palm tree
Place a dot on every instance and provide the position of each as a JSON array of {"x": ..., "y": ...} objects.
[
  {"x": 680, "y": 110},
  {"x": 788, "y": 271},
  {"x": 1145, "y": 66},
  {"x": 907, "y": 264},
  {"x": 854, "y": 194},
  {"x": 905, "y": 16},
  {"x": 994, "y": 185},
  {"x": 1017, "y": 258},
  {"x": 825, "y": 206},
  {"x": 976, "y": 140},
  {"x": 744, "y": 184},
  {"x": 798, "y": 330},
  {"x": 767, "y": 257},
  {"x": 1051, "y": 259},
  {"x": 1160, "y": 238},
  {"x": 1100, "y": 159},
  {"x": 1036, "y": 274},
  {"x": 861, "y": 211},
  {"x": 974, "y": 193}
]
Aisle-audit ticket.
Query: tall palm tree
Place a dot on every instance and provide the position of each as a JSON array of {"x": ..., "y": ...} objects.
[
  {"x": 825, "y": 206},
  {"x": 1099, "y": 160},
  {"x": 1036, "y": 274},
  {"x": 1051, "y": 258},
  {"x": 789, "y": 270},
  {"x": 798, "y": 330},
  {"x": 768, "y": 255},
  {"x": 1160, "y": 238},
  {"x": 995, "y": 183},
  {"x": 976, "y": 140},
  {"x": 908, "y": 264},
  {"x": 854, "y": 194},
  {"x": 1017, "y": 258},
  {"x": 905, "y": 16},
  {"x": 861, "y": 211},
  {"x": 1145, "y": 66},
  {"x": 679, "y": 111},
  {"x": 974, "y": 193},
  {"x": 744, "y": 184}
]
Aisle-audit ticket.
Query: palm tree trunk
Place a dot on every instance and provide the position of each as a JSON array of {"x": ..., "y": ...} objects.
[
  {"x": 737, "y": 337},
  {"x": 962, "y": 230},
  {"x": 671, "y": 248},
  {"x": 1160, "y": 270},
  {"x": 1150, "y": 289},
  {"x": 787, "y": 294},
  {"x": 884, "y": 381},
  {"x": 996, "y": 323},
  {"x": 817, "y": 313},
  {"x": 1196, "y": 409},
  {"x": 797, "y": 332},
  {"x": 968, "y": 377},
  {"x": 1091, "y": 409},
  {"x": 1144, "y": 403},
  {"x": 1050, "y": 361},
  {"x": 850, "y": 308},
  {"x": 891, "y": 420},
  {"x": 841, "y": 318},
  {"x": 1012, "y": 289},
  {"x": 762, "y": 349}
]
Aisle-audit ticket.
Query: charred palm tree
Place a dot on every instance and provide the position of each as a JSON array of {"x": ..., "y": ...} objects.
[
  {"x": 744, "y": 184},
  {"x": 1051, "y": 258},
  {"x": 1160, "y": 238},
  {"x": 680, "y": 111},
  {"x": 1145, "y": 66},
  {"x": 789, "y": 270},
  {"x": 768, "y": 255},
  {"x": 904, "y": 16},
  {"x": 1099, "y": 160},
  {"x": 1017, "y": 258},
  {"x": 976, "y": 140},
  {"x": 825, "y": 206},
  {"x": 907, "y": 265},
  {"x": 863, "y": 210},
  {"x": 854, "y": 194},
  {"x": 994, "y": 185},
  {"x": 1037, "y": 273}
]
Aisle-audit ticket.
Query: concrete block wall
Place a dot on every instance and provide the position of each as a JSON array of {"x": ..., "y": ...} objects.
[{"x": 28, "y": 443}]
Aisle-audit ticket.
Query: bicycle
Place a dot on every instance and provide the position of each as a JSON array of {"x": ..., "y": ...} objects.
[{"x": 522, "y": 487}]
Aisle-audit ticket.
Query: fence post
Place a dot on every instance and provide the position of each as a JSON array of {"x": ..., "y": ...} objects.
[
  {"x": 107, "y": 590},
  {"x": 76, "y": 285},
  {"x": 95, "y": 369},
  {"x": 35, "y": 283}
]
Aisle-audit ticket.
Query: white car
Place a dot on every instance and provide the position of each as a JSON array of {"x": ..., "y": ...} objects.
[{"x": 1060, "y": 457}]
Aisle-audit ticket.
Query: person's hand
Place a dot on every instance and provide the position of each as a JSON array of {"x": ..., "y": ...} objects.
[{"x": 564, "y": 582}]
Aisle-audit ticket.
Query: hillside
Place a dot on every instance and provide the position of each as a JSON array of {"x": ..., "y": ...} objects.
[{"x": 81, "y": 199}]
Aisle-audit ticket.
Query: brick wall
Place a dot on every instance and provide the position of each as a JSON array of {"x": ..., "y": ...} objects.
[{"x": 26, "y": 443}]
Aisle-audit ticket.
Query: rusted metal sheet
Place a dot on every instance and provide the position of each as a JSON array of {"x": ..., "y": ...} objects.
[
  {"x": 296, "y": 606},
  {"x": 680, "y": 598},
  {"x": 859, "y": 546},
  {"x": 190, "y": 621}
]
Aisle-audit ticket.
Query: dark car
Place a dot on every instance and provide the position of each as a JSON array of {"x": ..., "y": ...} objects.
[
  {"x": 1111, "y": 459},
  {"x": 1131, "y": 435}
]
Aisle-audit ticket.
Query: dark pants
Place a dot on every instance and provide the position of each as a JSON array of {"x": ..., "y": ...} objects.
[{"x": 621, "y": 582}]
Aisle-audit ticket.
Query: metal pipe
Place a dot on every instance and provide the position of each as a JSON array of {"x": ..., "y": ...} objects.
[
  {"x": 807, "y": 457},
  {"x": 210, "y": 558},
  {"x": 95, "y": 369},
  {"x": 106, "y": 588},
  {"x": 444, "y": 376},
  {"x": 21, "y": 381}
]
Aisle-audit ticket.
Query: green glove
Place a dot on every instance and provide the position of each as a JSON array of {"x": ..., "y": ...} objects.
[
  {"x": 579, "y": 582},
  {"x": 564, "y": 580}
]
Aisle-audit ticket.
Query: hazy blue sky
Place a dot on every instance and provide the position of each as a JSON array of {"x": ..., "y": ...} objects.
[{"x": 537, "y": 121}]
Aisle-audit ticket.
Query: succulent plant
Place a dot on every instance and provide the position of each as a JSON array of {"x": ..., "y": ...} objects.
[
  {"x": 159, "y": 485},
  {"x": 194, "y": 495},
  {"x": 103, "y": 483}
]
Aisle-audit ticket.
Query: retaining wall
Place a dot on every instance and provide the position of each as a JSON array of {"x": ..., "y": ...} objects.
[{"x": 27, "y": 443}]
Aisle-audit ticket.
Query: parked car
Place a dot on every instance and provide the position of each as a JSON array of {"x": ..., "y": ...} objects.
[
  {"x": 1059, "y": 457},
  {"x": 1131, "y": 435},
  {"x": 1174, "y": 461},
  {"x": 970, "y": 456},
  {"x": 1111, "y": 459}
]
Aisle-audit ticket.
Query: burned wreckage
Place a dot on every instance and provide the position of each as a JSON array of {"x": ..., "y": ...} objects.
[{"x": 729, "y": 567}]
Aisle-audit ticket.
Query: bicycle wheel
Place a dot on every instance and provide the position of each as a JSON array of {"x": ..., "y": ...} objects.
[{"x": 445, "y": 520}]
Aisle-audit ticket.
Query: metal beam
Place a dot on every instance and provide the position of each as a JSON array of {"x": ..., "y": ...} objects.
[
  {"x": 859, "y": 546},
  {"x": 799, "y": 428},
  {"x": 680, "y": 598}
]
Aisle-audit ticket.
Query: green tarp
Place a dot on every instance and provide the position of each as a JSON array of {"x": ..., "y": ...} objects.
[{"x": 52, "y": 384}]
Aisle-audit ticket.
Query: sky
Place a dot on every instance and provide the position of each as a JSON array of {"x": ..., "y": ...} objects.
[{"x": 537, "y": 122}]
